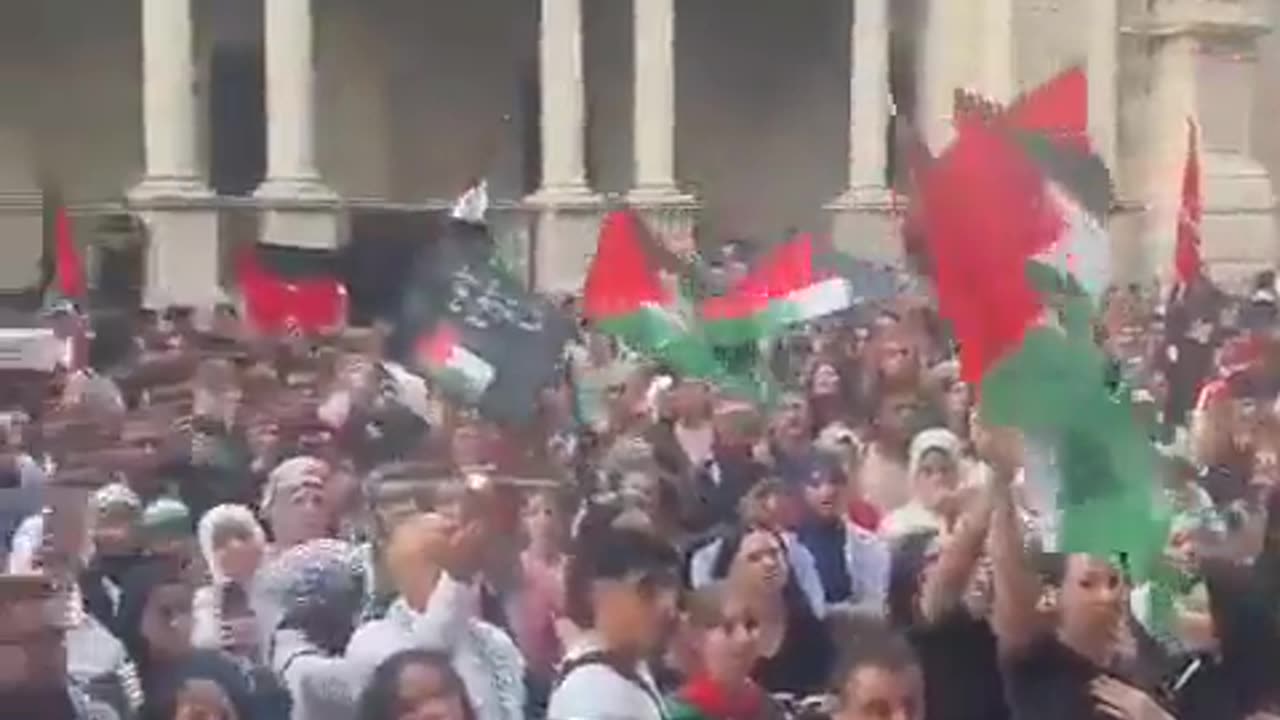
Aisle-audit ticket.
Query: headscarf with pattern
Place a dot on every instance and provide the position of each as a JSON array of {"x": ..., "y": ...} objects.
[{"x": 314, "y": 585}]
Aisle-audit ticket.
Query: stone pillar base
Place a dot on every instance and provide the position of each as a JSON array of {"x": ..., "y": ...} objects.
[
  {"x": 1239, "y": 225},
  {"x": 21, "y": 225},
  {"x": 667, "y": 211},
  {"x": 566, "y": 229},
  {"x": 159, "y": 190},
  {"x": 183, "y": 256},
  {"x": 864, "y": 224},
  {"x": 302, "y": 213}
]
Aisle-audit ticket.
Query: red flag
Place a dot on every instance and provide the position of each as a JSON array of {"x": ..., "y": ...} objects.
[
  {"x": 1058, "y": 109},
  {"x": 279, "y": 305},
  {"x": 784, "y": 269},
  {"x": 1187, "y": 261},
  {"x": 622, "y": 276},
  {"x": 68, "y": 267},
  {"x": 980, "y": 235}
]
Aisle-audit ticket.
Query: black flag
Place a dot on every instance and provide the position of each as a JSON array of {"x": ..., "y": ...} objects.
[{"x": 472, "y": 329}]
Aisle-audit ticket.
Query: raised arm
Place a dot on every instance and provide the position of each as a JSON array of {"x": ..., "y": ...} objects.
[
  {"x": 1014, "y": 618},
  {"x": 945, "y": 587}
]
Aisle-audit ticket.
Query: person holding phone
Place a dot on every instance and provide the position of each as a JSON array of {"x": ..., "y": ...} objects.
[
  {"x": 233, "y": 544},
  {"x": 434, "y": 560}
]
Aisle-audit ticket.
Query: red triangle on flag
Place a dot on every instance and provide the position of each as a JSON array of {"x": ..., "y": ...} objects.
[
  {"x": 435, "y": 348},
  {"x": 622, "y": 277},
  {"x": 1058, "y": 109}
]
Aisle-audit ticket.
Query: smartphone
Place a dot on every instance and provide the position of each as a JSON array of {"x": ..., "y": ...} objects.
[{"x": 235, "y": 602}]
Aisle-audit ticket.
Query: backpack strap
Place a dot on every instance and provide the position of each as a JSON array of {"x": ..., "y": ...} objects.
[{"x": 624, "y": 669}]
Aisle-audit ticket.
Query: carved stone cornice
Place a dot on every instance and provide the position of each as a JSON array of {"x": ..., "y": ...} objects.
[{"x": 1210, "y": 19}]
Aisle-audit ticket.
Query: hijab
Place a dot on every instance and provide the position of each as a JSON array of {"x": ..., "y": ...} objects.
[
  {"x": 219, "y": 517},
  {"x": 316, "y": 587},
  {"x": 939, "y": 439}
]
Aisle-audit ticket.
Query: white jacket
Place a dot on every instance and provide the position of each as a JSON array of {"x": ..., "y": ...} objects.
[
  {"x": 485, "y": 658},
  {"x": 596, "y": 691}
]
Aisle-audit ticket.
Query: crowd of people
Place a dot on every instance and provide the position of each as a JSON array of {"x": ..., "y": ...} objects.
[{"x": 299, "y": 527}]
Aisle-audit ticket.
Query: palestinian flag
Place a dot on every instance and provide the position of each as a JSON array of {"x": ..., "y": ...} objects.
[
  {"x": 1014, "y": 214},
  {"x": 625, "y": 297},
  {"x": 291, "y": 290},
  {"x": 448, "y": 362},
  {"x": 63, "y": 268},
  {"x": 785, "y": 288}
]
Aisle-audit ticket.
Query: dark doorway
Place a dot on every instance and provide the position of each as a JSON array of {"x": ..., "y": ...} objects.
[{"x": 237, "y": 120}]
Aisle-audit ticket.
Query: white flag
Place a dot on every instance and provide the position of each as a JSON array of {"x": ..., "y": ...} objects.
[{"x": 472, "y": 206}]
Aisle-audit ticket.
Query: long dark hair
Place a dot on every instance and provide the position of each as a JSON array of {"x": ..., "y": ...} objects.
[
  {"x": 139, "y": 586},
  {"x": 378, "y": 700},
  {"x": 793, "y": 597}
]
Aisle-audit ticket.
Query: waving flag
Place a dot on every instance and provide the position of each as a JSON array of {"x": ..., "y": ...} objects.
[
  {"x": 64, "y": 279},
  {"x": 474, "y": 331},
  {"x": 786, "y": 287},
  {"x": 1187, "y": 262},
  {"x": 289, "y": 290},
  {"x": 449, "y": 362},
  {"x": 1014, "y": 215},
  {"x": 624, "y": 296}
]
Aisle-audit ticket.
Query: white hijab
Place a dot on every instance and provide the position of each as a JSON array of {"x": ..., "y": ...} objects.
[
  {"x": 219, "y": 517},
  {"x": 932, "y": 439}
]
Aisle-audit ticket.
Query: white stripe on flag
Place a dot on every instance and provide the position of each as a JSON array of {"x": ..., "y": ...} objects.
[
  {"x": 821, "y": 298},
  {"x": 1043, "y": 484},
  {"x": 1084, "y": 248}
]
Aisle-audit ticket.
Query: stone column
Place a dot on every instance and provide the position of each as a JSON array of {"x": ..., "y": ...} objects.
[
  {"x": 655, "y": 99},
  {"x": 568, "y": 211},
  {"x": 1102, "y": 68},
  {"x": 944, "y": 61},
  {"x": 172, "y": 199},
  {"x": 997, "y": 60},
  {"x": 300, "y": 208},
  {"x": 21, "y": 146},
  {"x": 654, "y": 105},
  {"x": 168, "y": 99},
  {"x": 563, "y": 87},
  {"x": 863, "y": 214}
]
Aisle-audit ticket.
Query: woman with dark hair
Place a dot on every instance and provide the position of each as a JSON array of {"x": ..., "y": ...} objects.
[
  {"x": 796, "y": 650},
  {"x": 955, "y": 646},
  {"x": 415, "y": 683},
  {"x": 155, "y": 619},
  {"x": 210, "y": 685},
  {"x": 832, "y": 399},
  {"x": 1237, "y": 676}
]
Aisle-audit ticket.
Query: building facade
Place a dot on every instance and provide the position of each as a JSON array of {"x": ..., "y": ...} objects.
[{"x": 214, "y": 122}]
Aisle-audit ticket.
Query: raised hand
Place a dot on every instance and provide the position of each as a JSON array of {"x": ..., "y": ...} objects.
[{"x": 1125, "y": 702}]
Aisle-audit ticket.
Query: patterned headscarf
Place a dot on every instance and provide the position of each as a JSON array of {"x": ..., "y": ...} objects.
[
  {"x": 237, "y": 516},
  {"x": 290, "y": 476},
  {"x": 319, "y": 577},
  {"x": 114, "y": 495}
]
